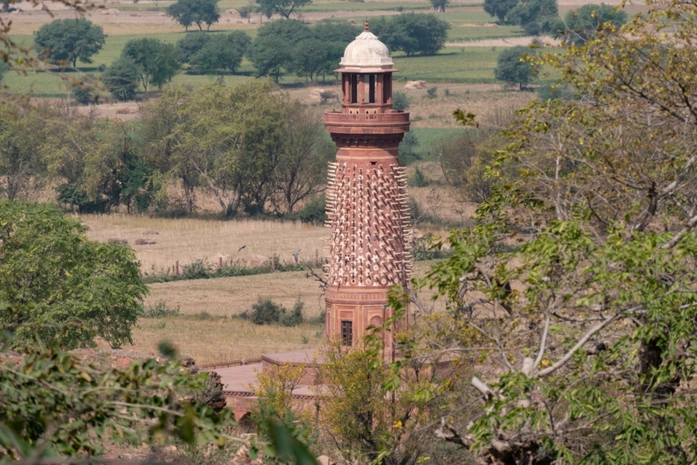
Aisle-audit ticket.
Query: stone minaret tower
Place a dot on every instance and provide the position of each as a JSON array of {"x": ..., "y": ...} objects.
[{"x": 367, "y": 206}]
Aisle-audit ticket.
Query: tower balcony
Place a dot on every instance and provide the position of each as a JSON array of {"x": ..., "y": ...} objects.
[{"x": 390, "y": 122}]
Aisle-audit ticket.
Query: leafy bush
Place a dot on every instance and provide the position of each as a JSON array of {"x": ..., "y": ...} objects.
[
  {"x": 160, "y": 310},
  {"x": 64, "y": 287},
  {"x": 432, "y": 92},
  {"x": 418, "y": 179},
  {"x": 83, "y": 95},
  {"x": 198, "y": 269},
  {"x": 294, "y": 317},
  {"x": 400, "y": 101},
  {"x": 267, "y": 312},
  {"x": 314, "y": 211},
  {"x": 407, "y": 149}
]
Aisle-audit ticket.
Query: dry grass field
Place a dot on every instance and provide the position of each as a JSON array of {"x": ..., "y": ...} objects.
[
  {"x": 186, "y": 240},
  {"x": 206, "y": 330},
  {"x": 220, "y": 340},
  {"x": 225, "y": 297}
]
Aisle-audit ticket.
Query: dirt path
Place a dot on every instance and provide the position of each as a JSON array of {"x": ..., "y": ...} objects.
[{"x": 508, "y": 42}]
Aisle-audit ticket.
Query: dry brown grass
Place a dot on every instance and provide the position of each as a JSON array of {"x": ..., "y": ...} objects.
[
  {"x": 232, "y": 296},
  {"x": 186, "y": 240},
  {"x": 220, "y": 340}
]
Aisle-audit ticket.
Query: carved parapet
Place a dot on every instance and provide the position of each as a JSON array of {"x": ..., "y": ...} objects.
[{"x": 393, "y": 122}]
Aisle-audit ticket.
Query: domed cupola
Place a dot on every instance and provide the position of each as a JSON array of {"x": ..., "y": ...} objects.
[
  {"x": 366, "y": 69},
  {"x": 366, "y": 54}
]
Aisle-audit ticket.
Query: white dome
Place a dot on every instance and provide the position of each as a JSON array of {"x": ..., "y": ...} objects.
[{"x": 366, "y": 53}]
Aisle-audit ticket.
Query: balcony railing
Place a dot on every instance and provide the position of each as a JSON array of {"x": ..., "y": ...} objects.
[{"x": 332, "y": 118}]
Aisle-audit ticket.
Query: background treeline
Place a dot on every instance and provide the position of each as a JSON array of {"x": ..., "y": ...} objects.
[
  {"x": 281, "y": 47},
  {"x": 250, "y": 147}
]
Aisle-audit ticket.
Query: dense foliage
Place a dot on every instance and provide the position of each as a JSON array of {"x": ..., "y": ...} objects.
[
  {"x": 499, "y": 8},
  {"x": 573, "y": 294},
  {"x": 122, "y": 78},
  {"x": 284, "y": 8},
  {"x": 65, "y": 41},
  {"x": 55, "y": 405},
  {"x": 535, "y": 16},
  {"x": 293, "y": 47},
  {"x": 208, "y": 54},
  {"x": 513, "y": 66},
  {"x": 412, "y": 33},
  {"x": 199, "y": 12},
  {"x": 156, "y": 61},
  {"x": 63, "y": 287},
  {"x": 580, "y": 24},
  {"x": 251, "y": 147}
]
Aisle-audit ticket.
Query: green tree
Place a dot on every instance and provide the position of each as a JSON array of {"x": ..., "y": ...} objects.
[
  {"x": 513, "y": 68},
  {"x": 161, "y": 119},
  {"x": 335, "y": 36},
  {"x": 122, "y": 78},
  {"x": 439, "y": 5},
  {"x": 182, "y": 12},
  {"x": 22, "y": 169},
  {"x": 65, "y": 288},
  {"x": 230, "y": 138},
  {"x": 412, "y": 33},
  {"x": 190, "y": 44},
  {"x": 342, "y": 32},
  {"x": 364, "y": 420},
  {"x": 64, "y": 41},
  {"x": 301, "y": 172},
  {"x": 273, "y": 48},
  {"x": 309, "y": 57},
  {"x": 536, "y": 16},
  {"x": 54, "y": 402},
  {"x": 221, "y": 53},
  {"x": 582, "y": 23},
  {"x": 284, "y": 8},
  {"x": 588, "y": 316},
  {"x": 156, "y": 60},
  {"x": 499, "y": 8},
  {"x": 199, "y": 12}
]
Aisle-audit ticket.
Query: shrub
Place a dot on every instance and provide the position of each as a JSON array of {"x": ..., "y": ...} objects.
[
  {"x": 418, "y": 179},
  {"x": 314, "y": 211},
  {"x": 294, "y": 317},
  {"x": 160, "y": 310},
  {"x": 400, "y": 101},
  {"x": 265, "y": 312},
  {"x": 432, "y": 92},
  {"x": 407, "y": 149},
  {"x": 83, "y": 95},
  {"x": 197, "y": 269}
]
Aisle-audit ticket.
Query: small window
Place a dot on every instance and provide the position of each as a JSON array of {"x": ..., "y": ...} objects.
[{"x": 347, "y": 333}]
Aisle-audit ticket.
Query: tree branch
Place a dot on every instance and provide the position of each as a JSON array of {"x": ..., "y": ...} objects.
[{"x": 579, "y": 344}]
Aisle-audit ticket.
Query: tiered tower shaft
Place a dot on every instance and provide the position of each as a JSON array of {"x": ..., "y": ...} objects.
[{"x": 367, "y": 204}]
